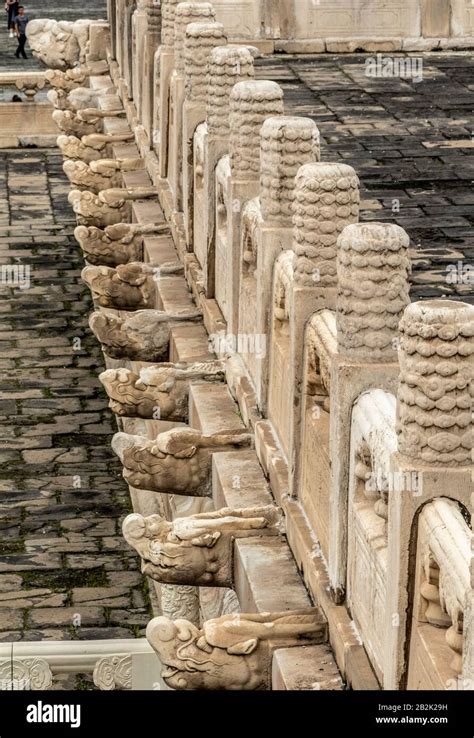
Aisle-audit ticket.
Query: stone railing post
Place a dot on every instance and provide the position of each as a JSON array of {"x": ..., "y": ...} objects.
[
  {"x": 251, "y": 103},
  {"x": 435, "y": 400},
  {"x": 227, "y": 66},
  {"x": 369, "y": 265},
  {"x": 200, "y": 40},
  {"x": 372, "y": 289},
  {"x": 435, "y": 397},
  {"x": 286, "y": 143},
  {"x": 185, "y": 14},
  {"x": 147, "y": 19},
  {"x": 326, "y": 200}
]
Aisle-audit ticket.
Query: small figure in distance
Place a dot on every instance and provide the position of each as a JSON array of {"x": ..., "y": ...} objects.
[
  {"x": 21, "y": 21},
  {"x": 11, "y": 7}
]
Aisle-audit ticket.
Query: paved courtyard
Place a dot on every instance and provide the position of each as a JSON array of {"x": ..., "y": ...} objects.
[
  {"x": 412, "y": 145},
  {"x": 65, "y": 569}
]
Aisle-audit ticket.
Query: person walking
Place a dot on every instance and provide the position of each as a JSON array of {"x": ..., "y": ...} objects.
[
  {"x": 11, "y": 6},
  {"x": 21, "y": 21}
]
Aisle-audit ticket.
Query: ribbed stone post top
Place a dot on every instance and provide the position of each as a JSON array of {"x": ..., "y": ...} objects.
[
  {"x": 185, "y": 14},
  {"x": 436, "y": 391},
  {"x": 200, "y": 40},
  {"x": 326, "y": 200},
  {"x": 168, "y": 10},
  {"x": 251, "y": 103},
  {"x": 286, "y": 143},
  {"x": 372, "y": 281},
  {"x": 227, "y": 66}
]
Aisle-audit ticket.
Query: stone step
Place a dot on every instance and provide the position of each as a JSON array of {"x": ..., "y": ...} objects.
[
  {"x": 212, "y": 409},
  {"x": 305, "y": 668},
  {"x": 147, "y": 211},
  {"x": 154, "y": 427},
  {"x": 266, "y": 578},
  {"x": 125, "y": 151},
  {"x": 137, "y": 178},
  {"x": 116, "y": 125},
  {"x": 100, "y": 82},
  {"x": 238, "y": 480},
  {"x": 189, "y": 343},
  {"x": 173, "y": 294},
  {"x": 110, "y": 103},
  {"x": 159, "y": 250}
]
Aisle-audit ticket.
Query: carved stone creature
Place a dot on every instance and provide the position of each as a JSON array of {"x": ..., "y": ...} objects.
[
  {"x": 78, "y": 98},
  {"x": 143, "y": 336},
  {"x": 159, "y": 391},
  {"x": 116, "y": 244},
  {"x": 198, "y": 549},
  {"x": 90, "y": 177},
  {"x": 436, "y": 391},
  {"x": 126, "y": 287},
  {"x": 232, "y": 652},
  {"x": 177, "y": 461},
  {"x": 91, "y": 147},
  {"x": 109, "y": 207},
  {"x": 91, "y": 209},
  {"x": 77, "y": 77},
  {"x": 82, "y": 122},
  {"x": 73, "y": 123},
  {"x": 59, "y": 44},
  {"x": 100, "y": 174}
]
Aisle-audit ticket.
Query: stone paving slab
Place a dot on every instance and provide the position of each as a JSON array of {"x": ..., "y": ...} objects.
[
  {"x": 65, "y": 570},
  {"x": 411, "y": 144}
]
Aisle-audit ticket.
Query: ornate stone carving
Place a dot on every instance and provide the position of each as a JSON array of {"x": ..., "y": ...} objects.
[
  {"x": 185, "y": 14},
  {"x": 126, "y": 287},
  {"x": 436, "y": 391},
  {"x": 143, "y": 336},
  {"x": 251, "y": 221},
  {"x": 197, "y": 549},
  {"x": 78, "y": 98},
  {"x": 113, "y": 672},
  {"x": 200, "y": 40},
  {"x": 89, "y": 148},
  {"x": 326, "y": 201},
  {"x": 177, "y": 462},
  {"x": 59, "y": 44},
  {"x": 92, "y": 177},
  {"x": 285, "y": 144},
  {"x": 115, "y": 244},
  {"x": 160, "y": 391},
  {"x": 30, "y": 85},
  {"x": 25, "y": 674},
  {"x": 109, "y": 207},
  {"x": 180, "y": 601},
  {"x": 77, "y": 77},
  {"x": 233, "y": 652},
  {"x": 251, "y": 103},
  {"x": 168, "y": 10},
  {"x": 75, "y": 124},
  {"x": 227, "y": 66},
  {"x": 283, "y": 279},
  {"x": 372, "y": 279}
]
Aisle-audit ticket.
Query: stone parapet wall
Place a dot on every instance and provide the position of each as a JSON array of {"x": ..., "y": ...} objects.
[{"x": 270, "y": 379}]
